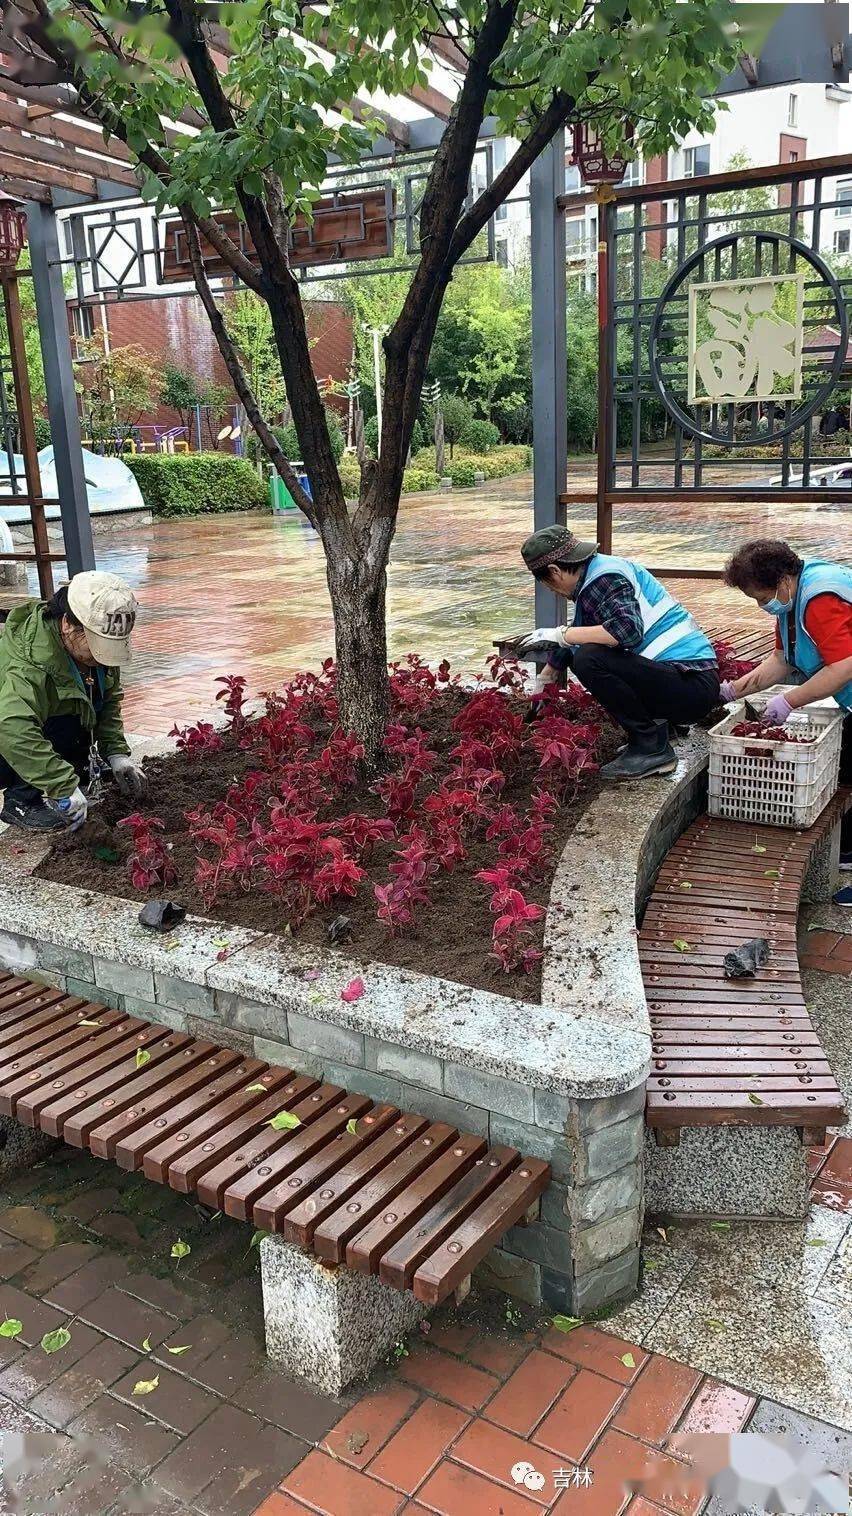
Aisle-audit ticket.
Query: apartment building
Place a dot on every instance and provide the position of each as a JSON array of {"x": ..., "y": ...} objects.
[{"x": 785, "y": 124}]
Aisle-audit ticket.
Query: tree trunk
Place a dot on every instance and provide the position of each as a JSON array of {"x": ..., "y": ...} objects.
[{"x": 357, "y": 588}]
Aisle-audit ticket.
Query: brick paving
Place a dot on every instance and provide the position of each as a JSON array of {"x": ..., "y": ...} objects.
[{"x": 247, "y": 594}]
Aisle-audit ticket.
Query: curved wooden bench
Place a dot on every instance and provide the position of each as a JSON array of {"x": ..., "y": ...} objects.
[
  {"x": 199, "y": 1118},
  {"x": 733, "y": 1051}
]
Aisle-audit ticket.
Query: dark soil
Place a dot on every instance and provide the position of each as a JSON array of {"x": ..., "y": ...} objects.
[{"x": 453, "y": 936}]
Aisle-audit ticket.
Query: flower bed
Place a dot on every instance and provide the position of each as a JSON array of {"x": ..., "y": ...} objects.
[{"x": 442, "y": 863}]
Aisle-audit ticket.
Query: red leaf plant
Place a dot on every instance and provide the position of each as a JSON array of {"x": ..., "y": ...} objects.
[
  {"x": 149, "y": 863},
  {"x": 234, "y": 696},
  {"x": 198, "y": 740},
  {"x": 730, "y": 666},
  {"x": 514, "y": 918}
]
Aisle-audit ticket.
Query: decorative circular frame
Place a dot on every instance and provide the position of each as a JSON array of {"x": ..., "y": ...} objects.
[{"x": 804, "y": 410}]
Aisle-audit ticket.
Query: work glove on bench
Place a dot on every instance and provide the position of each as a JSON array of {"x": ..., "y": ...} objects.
[
  {"x": 543, "y": 640},
  {"x": 129, "y": 777}
]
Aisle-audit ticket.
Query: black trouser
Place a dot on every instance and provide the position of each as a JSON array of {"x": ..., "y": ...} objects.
[
  {"x": 846, "y": 778},
  {"x": 637, "y": 692},
  {"x": 69, "y": 738}
]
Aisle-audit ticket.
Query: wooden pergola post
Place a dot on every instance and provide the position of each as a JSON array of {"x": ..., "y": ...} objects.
[{"x": 26, "y": 429}]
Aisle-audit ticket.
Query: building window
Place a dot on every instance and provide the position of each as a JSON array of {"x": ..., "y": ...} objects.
[
  {"x": 84, "y": 325},
  {"x": 572, "y": 178},
  {"x": 792, "y": 155},
  {"x": 502, "y": 212},
  {"x": 696, "y": 161},
  {"x": 501, "y": 254},
  {"x": 633, "y": 174},
  {"x": 844, "y": 197},
  {"x": 792, "y": 110},
  {"x": 843, "y": 241}
]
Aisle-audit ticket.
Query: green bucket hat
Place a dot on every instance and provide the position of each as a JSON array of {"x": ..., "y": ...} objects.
[{"x": 555, "y": 544}]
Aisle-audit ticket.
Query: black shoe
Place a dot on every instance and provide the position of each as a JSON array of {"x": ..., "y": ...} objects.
[
  {"x": 32, "y": 818},
  {"x": 846, "y": 862}
]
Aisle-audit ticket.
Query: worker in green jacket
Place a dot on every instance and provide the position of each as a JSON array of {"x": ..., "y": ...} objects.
[{"x": 60, "y": 701}]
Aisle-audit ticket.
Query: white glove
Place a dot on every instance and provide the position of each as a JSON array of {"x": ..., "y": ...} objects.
[
  {"x": 128, "y": 775},
  {"x": 72, "y": 808},
  {"x": 540, "y": 640},
  {"x": 543, "y": 678}
]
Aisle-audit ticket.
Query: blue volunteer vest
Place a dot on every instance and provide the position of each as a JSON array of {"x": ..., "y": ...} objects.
[
  {"x": 816, "y": 578},
  {"x": 669, "y": 633}
]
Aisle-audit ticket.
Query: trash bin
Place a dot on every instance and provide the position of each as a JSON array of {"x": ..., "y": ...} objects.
[{"x": 279, "y": 496}]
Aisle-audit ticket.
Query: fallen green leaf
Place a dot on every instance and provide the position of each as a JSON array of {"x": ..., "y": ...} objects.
[
  {"x": 10, "y": 1327},
  {"x": 721, "y": 1226},
  {"x": 53, "y": 1341},
  {"x": 755, "y": 1100},
  {"x": 565, "y": 1323},
  {"x": 718, "y": 1326},
  {"x": 221, "y": 942},
  {"x": 146, "y": 1346},
  {"x": 651, "y": 1266},
  {"x": 146, "y": 1386},
  {"x": 758, "y": 848},
  {"x": 256, "y": 1240},
  {"x": 815, "y": 1242},
  {"x": 88, "y": 1023},
  {"x": 285, "y": 1121},
  {"x": 681, "y": 944},
  {"x": 255, "y": 1089},
  {"x": 686, "y": 885},
  {"x": 107, "y": 854},
  {"x": 772, "y": 873},
  {"x": 180, "y": 1249},
  {"x": 662, "y": 1232},
  {"x": 142, "y": 1057},
  {"x": 352, "y": 1127},
  {"x": 628, "y": 1360},
  {"x": 176, "y": 1352}
]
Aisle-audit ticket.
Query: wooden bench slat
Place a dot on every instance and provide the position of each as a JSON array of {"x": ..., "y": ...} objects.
[
  {"x": 458, "y": 1254},
  {"x": 300, "y": 1144},
  {"x": 162, "y": 1072},
  {"x": 36, "y": 1059},
  {"x": 127, "y": 1126},
  {"x": 369, "y": 1246},
  {"x": 269, "y": 1209},
  {"x": 20, "y": 1003},
  {"x": 299, "y": 1224},
  {"x": 333, "y": 1234},
  {"x": 110, "y": 1071},
  {"x": 38, "y": 1021},
  {"x": 17, "y": 1088},
  {"x": 264, "y": 1140},
  {"x": 740, "y": 1044},
  {"x": 212, "y": 1148},
  {"x": 400, "y": 1262}
]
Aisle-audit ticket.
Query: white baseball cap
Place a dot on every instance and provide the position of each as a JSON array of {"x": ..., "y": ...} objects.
[{"x": 106, "y": 607}]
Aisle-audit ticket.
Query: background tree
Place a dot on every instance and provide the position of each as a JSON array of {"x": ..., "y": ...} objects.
[
  {"x": 266, "y": 103},
  {"x": 179, "y": 393},
  {"x": 116, "y": 389}
]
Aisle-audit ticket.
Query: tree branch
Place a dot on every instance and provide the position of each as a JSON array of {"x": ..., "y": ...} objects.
[{"x": 244, "y": 391}]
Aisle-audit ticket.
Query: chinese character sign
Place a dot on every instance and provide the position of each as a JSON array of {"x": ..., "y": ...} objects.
[{"x": 745, "y": 339}]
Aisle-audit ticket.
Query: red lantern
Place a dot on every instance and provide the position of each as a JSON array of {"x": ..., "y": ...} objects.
[
  {"x": 596, "y": 166},
  {"x": 13, "y": 231}
]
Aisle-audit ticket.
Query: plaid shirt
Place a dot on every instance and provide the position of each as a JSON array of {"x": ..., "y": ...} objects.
[{"x": 610, "y": 602}]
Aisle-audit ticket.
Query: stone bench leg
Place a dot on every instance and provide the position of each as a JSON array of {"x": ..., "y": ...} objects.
[
  {"x": 21, "y": 1147},
  {"x": 326, "y": 1323}
]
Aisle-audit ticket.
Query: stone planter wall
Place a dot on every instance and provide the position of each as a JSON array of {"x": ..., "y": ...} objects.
[{"x": 563, "y": 1080}]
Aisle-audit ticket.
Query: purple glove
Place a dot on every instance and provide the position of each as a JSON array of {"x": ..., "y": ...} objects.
[
  {"x": 727, "y": 693},
  {"x": 777, "y": 711}
]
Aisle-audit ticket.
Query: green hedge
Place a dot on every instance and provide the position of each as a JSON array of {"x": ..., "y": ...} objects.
[
  {"x": 416, "y": 479},
  {"x": 186, "y": 484}
]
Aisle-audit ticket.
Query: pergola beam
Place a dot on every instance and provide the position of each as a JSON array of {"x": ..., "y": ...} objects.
[{"x": 38, "y": 150}]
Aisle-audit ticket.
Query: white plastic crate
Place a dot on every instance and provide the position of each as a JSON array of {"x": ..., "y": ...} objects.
[{"x": 776, "y": 783}]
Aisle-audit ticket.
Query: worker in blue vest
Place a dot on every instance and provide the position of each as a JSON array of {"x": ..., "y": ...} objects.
[
  {"x": 631, "y": 644},
  {"x": 812, "y": 605}
]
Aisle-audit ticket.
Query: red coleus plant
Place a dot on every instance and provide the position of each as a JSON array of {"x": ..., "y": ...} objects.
[
  {"x": 150, "y": 865},
  {"x": 514, "y": 919},
  {"x": 234, "y": 696},
  {"x": 197, "y": 740},
  {"x": 730, "y": 666}
]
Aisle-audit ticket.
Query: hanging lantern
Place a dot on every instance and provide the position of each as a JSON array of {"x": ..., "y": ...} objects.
[
  {"x": 13, "y": 231},
  {"x": 595, "y": 165}
]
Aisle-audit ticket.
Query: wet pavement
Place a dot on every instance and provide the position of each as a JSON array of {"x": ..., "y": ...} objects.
[{"x": 247, "y": 594}]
